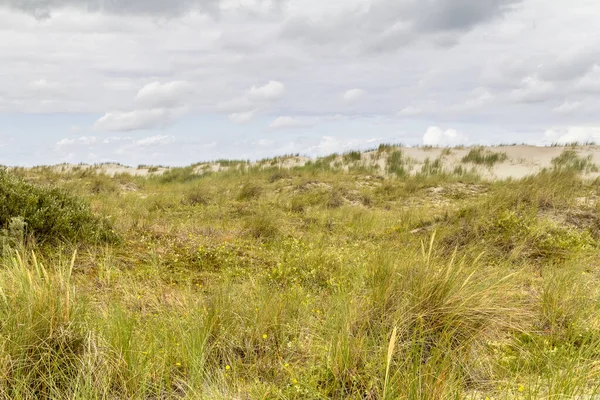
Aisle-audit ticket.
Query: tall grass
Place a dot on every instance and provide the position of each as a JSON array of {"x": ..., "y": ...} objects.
[
  {"x": 317, "y": 283},
  {"x": 488, "y": 158}
]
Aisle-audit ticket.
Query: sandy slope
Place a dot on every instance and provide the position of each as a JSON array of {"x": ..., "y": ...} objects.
[{"x": 522, "y": 161}]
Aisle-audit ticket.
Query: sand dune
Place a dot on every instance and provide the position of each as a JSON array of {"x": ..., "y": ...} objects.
[{"x": 520, "y": 161}]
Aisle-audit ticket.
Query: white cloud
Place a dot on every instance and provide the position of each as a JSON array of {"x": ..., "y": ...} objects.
[
  {"x": 436, "y": 136},
  {"x": 410, "y": 111},
  {"x": 83, "y": 140},
  {"x": 116, "y": 139},
  {"x": 478, "y": 98},
  {"x": 269, "y": 92},
  {"x": 329, "y": 144},
  {"x": 43, "y": 85},
  {"x": 573, "y": 134},
  {"x": 242, "y": 117},
  {"x": 287, "y": 122},
  {"x": 163, "y": 95},
  {"x": 533, "y": 90},
  {"x": 568, "y": 107},
  {"x": 353, "y": 95},
  {"x": 156, "y": 118},
  {"x": 590, "y": 82},
  {"x": 156, "y": 140}
]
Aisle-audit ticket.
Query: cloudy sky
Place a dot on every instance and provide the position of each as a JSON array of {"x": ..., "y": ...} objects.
[{"x": 180, "y": 81}]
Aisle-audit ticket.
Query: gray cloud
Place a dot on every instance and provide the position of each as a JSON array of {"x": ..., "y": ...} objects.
[
  {"x": 570, "y": 64},
  {"x": 43, "y": 9},
  {"x": 387, "y": 25}
]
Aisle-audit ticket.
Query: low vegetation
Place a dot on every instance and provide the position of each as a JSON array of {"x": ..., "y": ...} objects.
[
  {"x": 312, "y": 282},
  {"x": 49, "y": 215},
  {"x": 480, "y": 156}
]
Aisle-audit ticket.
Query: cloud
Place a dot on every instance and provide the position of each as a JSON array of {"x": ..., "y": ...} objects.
[
  {"x": 436, "y": 136},
  {"x": 156, "y": 140},
  {"x": 256, "y": 99},
  {"x": 242, "y": 117},
  {"x": 410, "y": 111},
  {"x": 84, "y": 140},
  {"x": 44, "y": 9},
  {"x": 156, "y": 118},
  {"x": 590, "y": 82},
  {"x": 533, "y": 90},
  {"x": 329, "y": 145},
  {"x": 116, "y": 139},
  {"x": 269, "y": 92},
  {"x": 353, "y": 95},
  {"x": 287, "y": 122},
  {"x": 568, "y": 107},
  {"x": 163, "y": 95},
  {"x": 571, "y": 64},
  {"x": 573, "y": 134},
  {"x": 43, "y": 85},
  {"x": 160, "y": 104},
  {"x": 479, "y": 97},
  {"x": 382, "y": 26}
]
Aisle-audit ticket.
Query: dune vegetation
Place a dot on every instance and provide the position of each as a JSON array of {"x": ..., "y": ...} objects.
[{"x": 335, "y": 279}]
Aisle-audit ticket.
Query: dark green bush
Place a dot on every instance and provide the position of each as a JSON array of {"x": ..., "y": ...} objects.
[{"x": 49, "y": 214}]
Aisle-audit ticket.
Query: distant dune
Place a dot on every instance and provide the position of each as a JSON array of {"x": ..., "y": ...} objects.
[{"x": 491, "y": 163}]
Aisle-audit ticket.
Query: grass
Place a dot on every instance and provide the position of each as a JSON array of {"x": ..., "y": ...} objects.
[
  {"x": 309, "y": 283},
  {"x": 570, "y": 160},
  {"x": 488, "y": 158}
]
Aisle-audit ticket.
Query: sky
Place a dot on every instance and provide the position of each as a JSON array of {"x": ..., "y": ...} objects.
[{"x": 174, "y": 82}]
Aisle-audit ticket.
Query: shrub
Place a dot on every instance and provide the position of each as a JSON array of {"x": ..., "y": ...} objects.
[{"x": 50, "y": 215}]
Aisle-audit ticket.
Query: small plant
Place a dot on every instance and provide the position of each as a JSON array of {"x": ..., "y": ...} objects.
[
  {"x": 352, "y": 156},
  {"x": 279, "y": 176},
  {"x": 262, "y": 225},
  {"x": 434, "y": 167},
  {"x": 396, "y": 164},
  {"x": 571, "y": 161},
  {"x": 195, "y": 196},
  {"x": 484, "y": 157},
  {"x": 184, "y": 174},
  {"x": 250, "y": 191},
  {"x": 103, "y": 184},
  {"x": 387, "y": 148}
]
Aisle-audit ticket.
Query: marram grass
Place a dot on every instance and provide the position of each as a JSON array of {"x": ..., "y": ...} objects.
[{"x": 308, "y": 283}]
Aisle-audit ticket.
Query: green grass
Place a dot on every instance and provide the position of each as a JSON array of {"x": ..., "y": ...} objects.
[
  {"x": 480, "y": 156},
  {"x": 309, "y": 283},
  {"x": 570, "y": 160}
]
